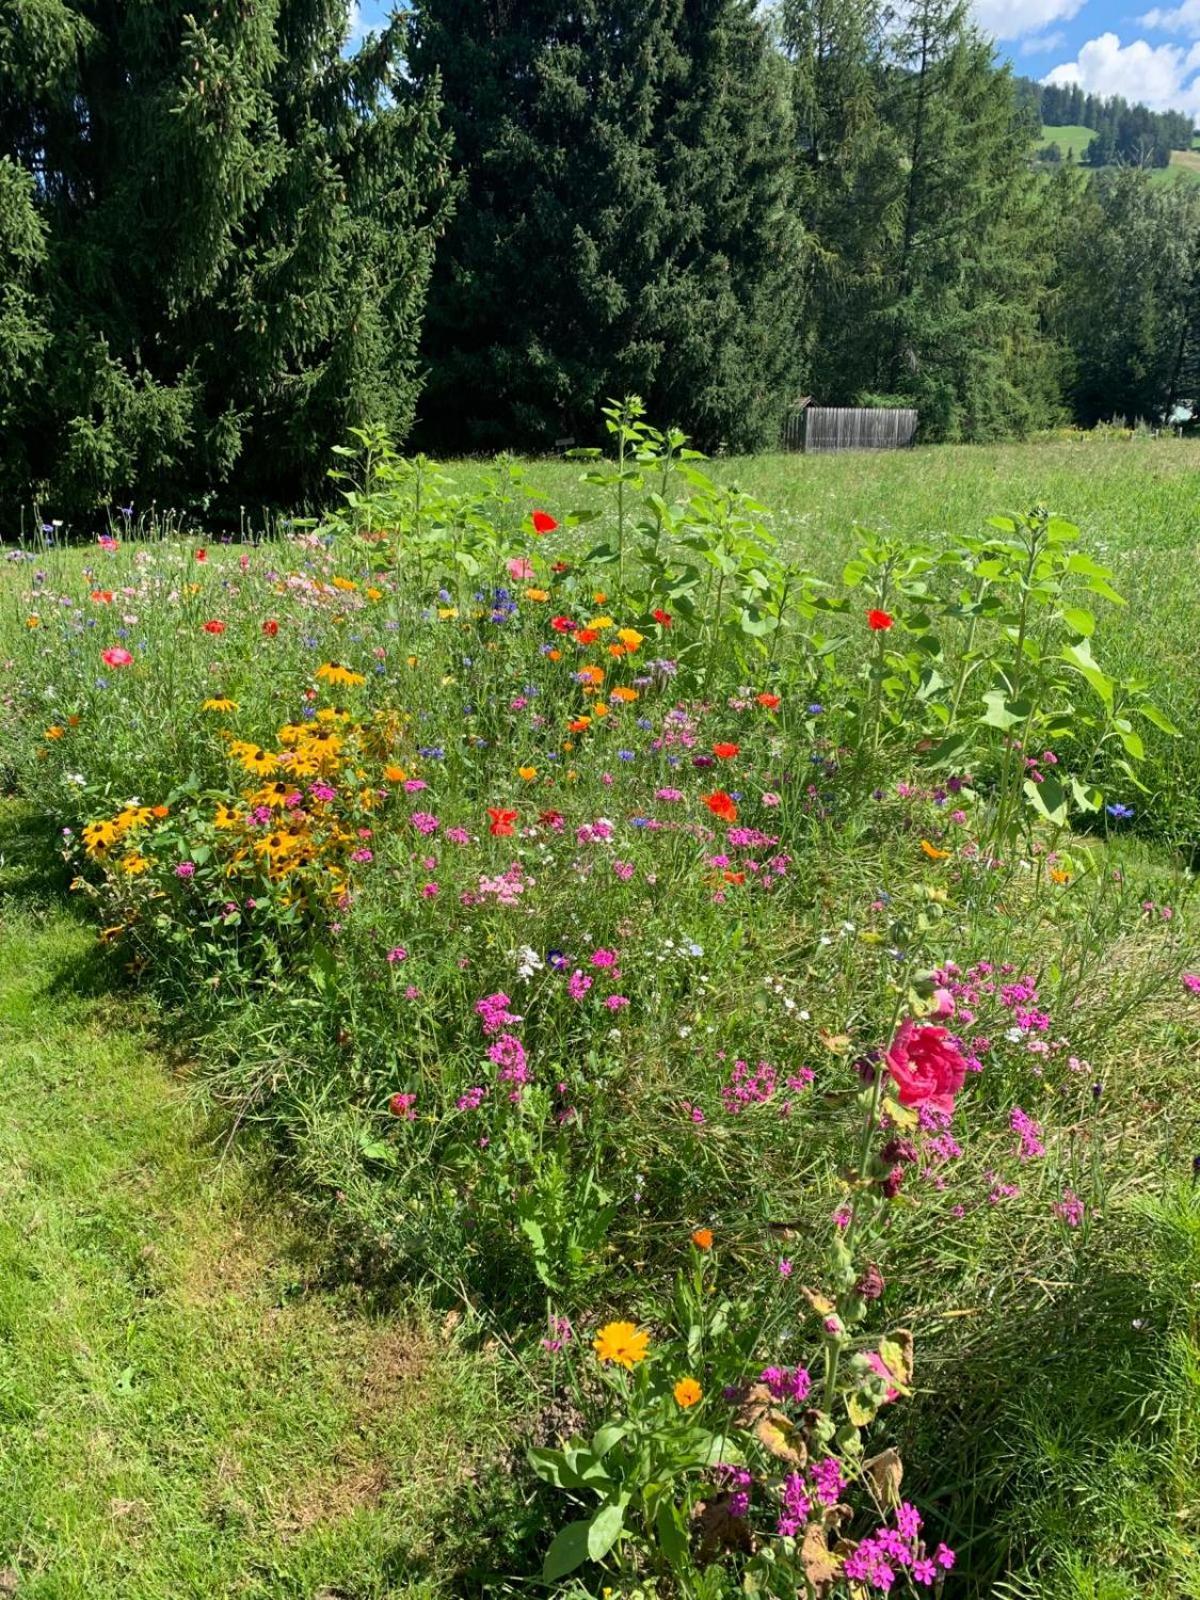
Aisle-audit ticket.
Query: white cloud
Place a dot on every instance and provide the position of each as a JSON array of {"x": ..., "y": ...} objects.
[
  {"x": 1163, "y": 77},
  {"x": 1041, "y": 44},
  {"x": 1183, "y": 18},
  {"x": 1016, "y": 19}
]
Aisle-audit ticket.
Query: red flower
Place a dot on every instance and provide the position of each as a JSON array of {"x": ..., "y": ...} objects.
[
  {"x": 543, "y": 522},
  {"x": 201, "y": 555},
  {"x": 587, "y": 636},
  {"x": 721, "y": 805},
  {"x": 769, "y": 701},
  {"x": 726, "y": 752},
  {"x": 879, "y": 621},
  {"x": 502, "y": 821},
  {"x": 270, "y": 627},
  {"x": 561, "y": 624},
  {"x": 927, "y": 1065},
  {"x": 561, "y": 567},
  {"x": 102, "y": 597},
  {"x": 663, "y": 618},
  {"x": 214, "y": 626},
  {"x": 551, "y": 819},
  {"x": 735, "y": 877},
  {"x": 116, "y": 657}
]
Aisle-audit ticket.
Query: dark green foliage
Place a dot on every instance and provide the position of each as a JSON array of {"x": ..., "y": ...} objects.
[
  {"x": 217, "y": 232},
  {"x": 625, "y": 221},
  {"x": 1129, "y": 307},
  {"x": 932, "y": 232}
]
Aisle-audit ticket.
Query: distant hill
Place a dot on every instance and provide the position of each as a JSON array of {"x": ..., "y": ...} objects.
[{"x": 1073, "y": 141}]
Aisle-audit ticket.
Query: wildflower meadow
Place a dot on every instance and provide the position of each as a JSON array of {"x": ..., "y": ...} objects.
[{"x": 744, "y": 985}]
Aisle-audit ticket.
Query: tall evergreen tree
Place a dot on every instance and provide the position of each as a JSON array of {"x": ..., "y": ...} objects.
[
  {"x": 1129, "y": 309},
  {"x": 624, "y": 221},
  {"x": 231, "y": 233}
]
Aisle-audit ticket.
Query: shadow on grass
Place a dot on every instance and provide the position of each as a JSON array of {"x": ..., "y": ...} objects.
[{"x": 1067, "y": 1438}]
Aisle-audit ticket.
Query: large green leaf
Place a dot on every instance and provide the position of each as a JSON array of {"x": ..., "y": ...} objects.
[
  {"x": 568, "y": 1551},
  {"x": 605, "y": 1528}
]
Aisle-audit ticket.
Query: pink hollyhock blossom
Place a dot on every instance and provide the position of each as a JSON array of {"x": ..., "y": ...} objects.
[{"x": 927, "y": 1066}]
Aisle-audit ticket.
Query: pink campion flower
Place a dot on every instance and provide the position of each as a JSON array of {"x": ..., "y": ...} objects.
[
  {"x": 1191, "y": 980},
  {"x": 604, "y": 958},
  {"x": 927, "y": 1065},
  {"x": 578, "y": 985},
  {"x": 403, "y": 1106},
  {"x": 397, "y": 954},
  {"x": 519, "y": 567},
  {"x": 943, "y": 1003},
  {"x": 116, "y": 657}
]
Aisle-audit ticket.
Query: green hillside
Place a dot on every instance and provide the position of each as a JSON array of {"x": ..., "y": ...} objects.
[{"x": 1073, "y": 139}]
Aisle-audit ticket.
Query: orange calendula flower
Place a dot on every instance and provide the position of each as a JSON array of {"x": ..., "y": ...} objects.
[
  {"x": 630, "y": 638},
  {"x": 537, "y": 594},
  {"x": 1059, "y": 875},
  {"x": 687, "y": 1393},
  {"x": 622, "y": 1343},
  {"x": 581, "y": 635},
  {"x": 932, "y": 851},
  {"x": 628, "y": 696},
  {"x": 592, "y": 675},
  {"x": 553, "y": 655},
  {"x": 55, "y": 732},
  {"x": 394, "y": 774},
  {"x": 528, "y": 774},
  {"x": 703, "y": 1238},
  {"x": 616, "y": 650},
  {"x": 600, "y": 709},
  {"x": 347, "y": 585}
]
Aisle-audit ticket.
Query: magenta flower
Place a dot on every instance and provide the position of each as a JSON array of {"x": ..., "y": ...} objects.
[{"x": 927, "y": 1065}]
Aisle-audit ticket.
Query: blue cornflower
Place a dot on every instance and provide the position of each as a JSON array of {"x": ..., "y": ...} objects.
[
  {"x": 626, "y": 755},
  {"x": 1118, "y": 812},
  {"x": 816, "y": 709},
  {"x": 431, "y": 752}
]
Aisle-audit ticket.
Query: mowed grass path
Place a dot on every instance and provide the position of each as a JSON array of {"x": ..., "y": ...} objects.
[{"x": 184, "y": 1410}]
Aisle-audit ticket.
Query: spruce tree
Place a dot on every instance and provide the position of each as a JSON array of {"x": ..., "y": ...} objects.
[
  {"x": 959, "y": 320},
  {"x": 624, "y": 221},
  {"x": 231, "y": 236}
]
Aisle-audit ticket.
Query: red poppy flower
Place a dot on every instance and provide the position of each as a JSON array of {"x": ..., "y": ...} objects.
[
  {"x": 561, "y": 567},
  {"x": 214, "y": 626},
  {"x": 726, "y": 752},
  {"x": 543, "y": 522},
  {"x": 769, "y": 701},
  {"x": 201, "y": 555},
  {"x": 561, "y": 624},
  {"x": 721, "y": 805},
  {"x": 879, "y": 621},
  {"x": 663, "y": 618},
  {"x": 502, "y": 821},
  {"x": 102, "y": 597},
  {"x": 270, "y": 627}
]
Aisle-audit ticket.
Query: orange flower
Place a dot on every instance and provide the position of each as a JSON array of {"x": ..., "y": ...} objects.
[
  {"x": 592, "y": 675},
  {"x": 768, "y": 701},
  {"x": 703, "y": 1238},
  {"x": 734, "y": 877},
  {"x": 721, "y": 805},
  {"x": 630, "y": 638},
  {"x": 622, "y": 1343},
  {"x": 628, "y": 696},
  {"x": 54, "y": 733},
  {"x": 586, "y": 635},
  {"x": 394, "y": 774},
  {"x": 932, "y": 851},
  {"x": 528, "y": 774},
  {"x": 725, "y": 751},
  {"x": 617, "y": 650},
  {"x": 600, "y": 709},
  {"x": 1059, "y": 875},
  {"x": 580, "y": 724},
  {"x": 687, "y": 1393},
  {"x": 537, "y": 594},
  {"x": 553, "y": 655}
]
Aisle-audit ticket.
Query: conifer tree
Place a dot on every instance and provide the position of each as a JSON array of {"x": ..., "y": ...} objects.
[
  {"x": 624, "y": 221},
  {"x": 236, "y": 225}
]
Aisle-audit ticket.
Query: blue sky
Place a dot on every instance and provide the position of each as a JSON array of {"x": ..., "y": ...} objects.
[{"x": 1146, "y": 50}]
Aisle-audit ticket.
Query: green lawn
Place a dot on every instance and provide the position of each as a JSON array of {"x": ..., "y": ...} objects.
[{"x": 185, "y": 1412}]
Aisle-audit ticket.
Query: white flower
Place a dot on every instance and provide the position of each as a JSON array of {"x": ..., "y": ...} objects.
[{"x": 528, "y": 961}]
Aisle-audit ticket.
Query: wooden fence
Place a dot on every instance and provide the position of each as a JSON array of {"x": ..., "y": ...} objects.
[{"x": 823, "y": 428}]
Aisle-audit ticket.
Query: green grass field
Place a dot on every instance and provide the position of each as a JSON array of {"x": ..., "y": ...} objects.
[{"x": 186, "y": 1409}]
